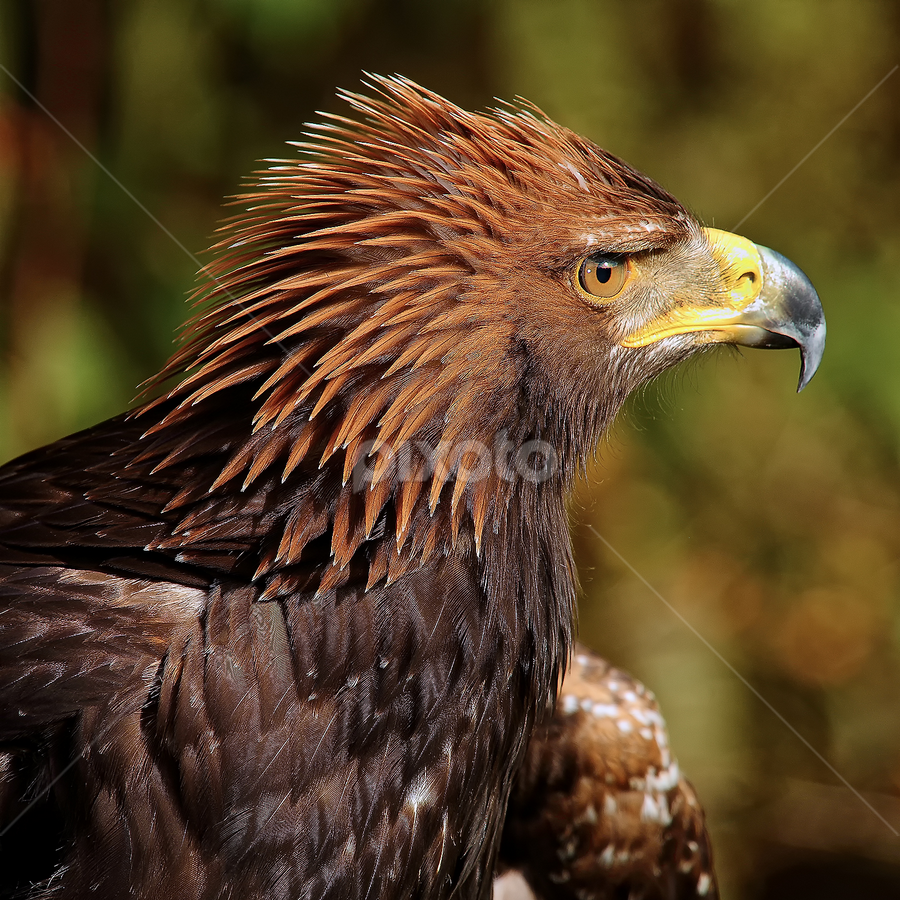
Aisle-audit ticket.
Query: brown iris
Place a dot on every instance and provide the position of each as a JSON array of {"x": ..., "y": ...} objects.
[{"x": 603, "y": 276}]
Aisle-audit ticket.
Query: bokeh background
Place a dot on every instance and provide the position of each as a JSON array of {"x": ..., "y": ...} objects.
[{"x": 770, "y": 521}]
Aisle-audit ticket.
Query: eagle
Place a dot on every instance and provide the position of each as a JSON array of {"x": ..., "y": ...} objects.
[{"x": 287, "y": 628}]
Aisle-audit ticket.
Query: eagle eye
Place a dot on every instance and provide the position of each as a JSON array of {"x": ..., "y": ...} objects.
[{"x": 602, "y": 276}]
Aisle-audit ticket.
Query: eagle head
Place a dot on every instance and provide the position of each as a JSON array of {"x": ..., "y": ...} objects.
[{"x": 441, "y": 306}]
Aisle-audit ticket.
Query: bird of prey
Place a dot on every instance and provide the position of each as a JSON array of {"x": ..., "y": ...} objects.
[{"x": 285, "y": 630}]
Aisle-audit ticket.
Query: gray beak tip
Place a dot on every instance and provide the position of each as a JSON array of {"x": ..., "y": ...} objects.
[{"x": 811, "y": 355}]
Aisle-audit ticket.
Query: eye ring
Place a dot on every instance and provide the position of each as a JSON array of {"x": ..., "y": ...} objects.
[{"x": 602, "y": 276}]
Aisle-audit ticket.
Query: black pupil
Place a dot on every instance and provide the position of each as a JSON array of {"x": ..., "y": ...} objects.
[{"x": 604, "y": 272}]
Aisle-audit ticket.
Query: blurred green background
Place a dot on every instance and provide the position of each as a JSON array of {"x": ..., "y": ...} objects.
[{"x": 770, "y": 521}]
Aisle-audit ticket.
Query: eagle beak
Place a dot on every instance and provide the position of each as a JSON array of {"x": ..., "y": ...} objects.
[{"x": 762, "y": 300}]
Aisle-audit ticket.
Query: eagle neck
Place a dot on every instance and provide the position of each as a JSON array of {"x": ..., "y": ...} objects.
[{"x": 528, "y": 571}]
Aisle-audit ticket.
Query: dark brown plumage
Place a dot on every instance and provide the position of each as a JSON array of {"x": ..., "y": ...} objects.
[{"x": 286, "y": 630}]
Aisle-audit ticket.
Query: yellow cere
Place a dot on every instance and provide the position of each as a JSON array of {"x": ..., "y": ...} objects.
[{"x": 741, "y": 280}]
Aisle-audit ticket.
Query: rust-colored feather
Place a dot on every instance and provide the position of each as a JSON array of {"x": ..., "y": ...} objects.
[
  {"x": 406, "y": 501},
  {"x": 376, "y": 498},
  {"x": 364, "y": 411},
  {"x": 302, "y": 442}
]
